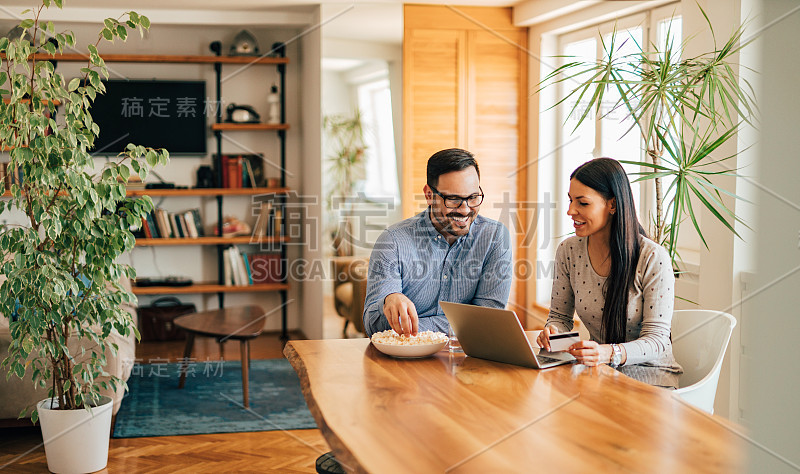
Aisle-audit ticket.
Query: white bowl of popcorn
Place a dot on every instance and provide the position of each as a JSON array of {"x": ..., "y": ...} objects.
[{"x": 425, "y": 343}]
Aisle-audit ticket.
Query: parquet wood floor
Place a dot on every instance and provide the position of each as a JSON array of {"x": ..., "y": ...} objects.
[{"x": 268, "y": 451}]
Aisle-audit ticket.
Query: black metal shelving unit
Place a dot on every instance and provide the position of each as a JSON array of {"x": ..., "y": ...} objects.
[{"x": 278, "y": 50}]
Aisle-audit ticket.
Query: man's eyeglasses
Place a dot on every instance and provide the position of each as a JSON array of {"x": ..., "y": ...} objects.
[{"x": 452, "y": 201}]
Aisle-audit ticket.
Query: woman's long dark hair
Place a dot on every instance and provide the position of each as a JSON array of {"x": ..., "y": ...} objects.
[{"x": 607, "y": 177}]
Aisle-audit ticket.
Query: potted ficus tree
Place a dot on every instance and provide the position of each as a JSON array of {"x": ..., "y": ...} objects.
[
  {"x": 683, "y": 108},
  {"x": 62, "y": 291}
]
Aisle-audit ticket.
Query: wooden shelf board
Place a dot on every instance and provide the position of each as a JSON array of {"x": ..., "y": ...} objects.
[
  {"x": 164, "y": 58},
  {"x": 226, "y": 126},
  {"x": 207, "y": 288},
  {"x": 245, "y": 239},
  {"x": 206, "y": 192},
  {"x": 25, "y": 101}
]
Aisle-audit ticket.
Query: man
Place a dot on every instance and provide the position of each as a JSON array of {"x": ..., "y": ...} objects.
[{"x": 445, "y": 253}]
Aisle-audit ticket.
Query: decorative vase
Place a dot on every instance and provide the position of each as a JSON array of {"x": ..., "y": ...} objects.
[
  {"x": 76, "y": 441},
  {"x": 274, "y": 102}
]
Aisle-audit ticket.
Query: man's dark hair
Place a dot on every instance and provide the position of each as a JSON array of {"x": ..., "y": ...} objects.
[{"x": 447, "y": 161}]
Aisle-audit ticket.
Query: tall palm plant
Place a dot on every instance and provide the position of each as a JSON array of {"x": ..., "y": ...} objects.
[{"x": 684, "y": 109}]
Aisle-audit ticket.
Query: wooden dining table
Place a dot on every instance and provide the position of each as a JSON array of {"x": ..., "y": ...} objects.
[{"x": 451, "y": 413}]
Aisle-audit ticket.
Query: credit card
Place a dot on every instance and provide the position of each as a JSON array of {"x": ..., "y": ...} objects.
[{"x": 561, "y": 342}]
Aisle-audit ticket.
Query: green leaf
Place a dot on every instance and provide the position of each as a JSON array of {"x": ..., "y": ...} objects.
[
  {"x": 27, "y": 345},
  {"x": 94, "y": 79},
  {"x": 107, "y": 34},
  {"x": 25, "y": 24},
  {"x": 73, "y": 84}
]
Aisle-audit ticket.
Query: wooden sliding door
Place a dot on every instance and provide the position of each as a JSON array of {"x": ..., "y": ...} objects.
[{"x": 465, "y": 85}]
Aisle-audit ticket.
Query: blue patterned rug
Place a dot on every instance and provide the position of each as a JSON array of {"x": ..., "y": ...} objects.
[{"x": 211, "y": 400}]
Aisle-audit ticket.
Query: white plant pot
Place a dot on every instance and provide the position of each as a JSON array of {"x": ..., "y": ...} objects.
[{"x": 76, "y": 441}]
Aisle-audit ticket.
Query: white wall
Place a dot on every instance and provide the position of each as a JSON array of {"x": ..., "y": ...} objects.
[
  {"x": 310, "y": 144},
  {"x": 241, "y": 85},
  {"x": 717, "y": 263},
  {"x": 770, "y": 318}
]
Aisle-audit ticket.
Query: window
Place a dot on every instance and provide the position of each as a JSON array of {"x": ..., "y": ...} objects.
[
  {"x": 375, "y": 103},
  {"x": 602, "y": 134}
]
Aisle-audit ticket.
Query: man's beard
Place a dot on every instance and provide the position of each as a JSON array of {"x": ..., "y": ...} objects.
[{"x": 448, "y": 224}]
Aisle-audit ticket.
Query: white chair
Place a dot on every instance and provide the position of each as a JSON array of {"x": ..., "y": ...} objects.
[{"x": 699, "y": 341}]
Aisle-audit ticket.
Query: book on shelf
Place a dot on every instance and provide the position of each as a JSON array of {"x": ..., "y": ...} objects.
[
  {"x": 227, "y": 270},
  {"x": 234, "y": 266},
  {"x": 187, "y": 220},
  {"x": 241, "y": 171},
  {"x": 265, "y": 267},
  {"x": 134, "y": 183},
  {"x": 160, "y": 224},
  {"x": 261, "y": 228},
  {"x": 269, "y": 221},
  {"x": 151, "y": 225},
  {"x": 239, "y": 275},
  {"x": 277, "y": 230},
  {"x": 247, "y": 269},
  {"x": 198, "y": 223},
  {"x": 244, "y": 269},
  {"x": 146, "y": 228},
  {"x": 177, "y": 231},
  {"x": 162, "y": 221},
  {"x": 250, "y": 181},
  {"x": 243, "y": 273}
]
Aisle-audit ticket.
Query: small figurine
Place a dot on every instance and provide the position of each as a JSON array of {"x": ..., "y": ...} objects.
[{"x": 244, "y": 44}]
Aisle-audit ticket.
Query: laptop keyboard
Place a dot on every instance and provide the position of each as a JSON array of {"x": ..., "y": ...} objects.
[{"x": 547, "y": 360}]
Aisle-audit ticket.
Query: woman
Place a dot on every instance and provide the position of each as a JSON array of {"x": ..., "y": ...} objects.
[{"x": 618, "y": 281}]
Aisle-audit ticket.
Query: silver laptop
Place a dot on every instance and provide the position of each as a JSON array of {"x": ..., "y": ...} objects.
[{"x": 496, "y": 334}]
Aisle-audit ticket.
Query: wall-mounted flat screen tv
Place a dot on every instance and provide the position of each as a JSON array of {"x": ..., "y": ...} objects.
[{"x": 158, "y": 114}]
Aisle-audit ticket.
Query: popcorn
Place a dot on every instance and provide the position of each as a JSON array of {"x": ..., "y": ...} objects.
[{"x": 423, "y": 338}]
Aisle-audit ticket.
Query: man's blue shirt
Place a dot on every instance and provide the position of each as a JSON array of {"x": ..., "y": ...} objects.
[{"x": 413, "y": 258}]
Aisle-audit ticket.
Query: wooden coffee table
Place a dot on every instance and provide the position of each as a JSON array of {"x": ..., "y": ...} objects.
[{"x": 240, "y": 323}]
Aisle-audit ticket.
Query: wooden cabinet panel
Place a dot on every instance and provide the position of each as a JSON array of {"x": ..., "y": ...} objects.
[
  {"x": 432, "y": 99},
  {"x": 494, "y": 118}
]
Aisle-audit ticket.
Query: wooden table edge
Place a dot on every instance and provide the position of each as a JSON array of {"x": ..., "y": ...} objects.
[{"x": 340, "y": 451}]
